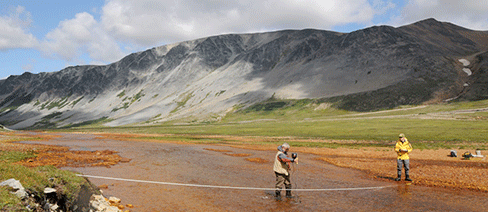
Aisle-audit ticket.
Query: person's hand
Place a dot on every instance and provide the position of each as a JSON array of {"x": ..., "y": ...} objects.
[{"x": 296, "y": 160}]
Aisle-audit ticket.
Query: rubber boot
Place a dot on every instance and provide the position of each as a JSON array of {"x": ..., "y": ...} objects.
[
  {"x": 407, "y": 178},
  {"x": 398, "y": 178},
  {"x": 278, "y": 194},
  {"x": 288, "y": 192}
]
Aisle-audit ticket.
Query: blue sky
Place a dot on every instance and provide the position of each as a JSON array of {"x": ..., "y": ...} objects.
[{"x": 49, "y": 35}]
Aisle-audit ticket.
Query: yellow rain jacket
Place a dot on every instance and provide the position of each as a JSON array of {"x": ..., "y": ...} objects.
[{"x": 403, "y": 145}]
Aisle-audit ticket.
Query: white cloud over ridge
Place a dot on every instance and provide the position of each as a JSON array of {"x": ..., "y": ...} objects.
[
  {"x": 75, "y": 37},
  {"x": 14, "y": 33},
  {"x": 472, "y": 14},
  {"x": 150, "y": 22},
  {"x": 126, "y": 25}
]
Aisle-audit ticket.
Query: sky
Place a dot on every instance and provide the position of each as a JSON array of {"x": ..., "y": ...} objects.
[{"x": 49, "y": 35}]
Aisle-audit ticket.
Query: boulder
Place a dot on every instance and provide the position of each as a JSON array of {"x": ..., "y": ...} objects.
[
  {"x": 17, "y": 186},
  {"x": 99, "y": 203}
]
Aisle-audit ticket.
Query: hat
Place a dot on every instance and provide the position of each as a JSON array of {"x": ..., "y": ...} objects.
[{"x": 401, "y": 135}]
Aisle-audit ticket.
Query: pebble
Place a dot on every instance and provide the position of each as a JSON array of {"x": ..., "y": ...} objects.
[
  {"x": 114, "y": 200},
  {"x": 49, "y": 190}
]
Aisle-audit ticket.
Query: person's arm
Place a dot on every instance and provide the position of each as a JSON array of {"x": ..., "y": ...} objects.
[
  {"x": 284, "y": 158},
  {"x": 409, "y": 147},
  {"x": 397, "y": 147}
]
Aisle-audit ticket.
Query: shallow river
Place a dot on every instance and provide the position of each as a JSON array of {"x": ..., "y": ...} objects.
[{"x": 192, "y": 164}]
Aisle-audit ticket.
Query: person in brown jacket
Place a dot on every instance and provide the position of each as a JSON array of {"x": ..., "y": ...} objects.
[{"x": 281, "y": 169}]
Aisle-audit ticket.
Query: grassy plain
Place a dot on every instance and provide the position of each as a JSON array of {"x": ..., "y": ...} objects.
[{"x": 461, "y": 125}]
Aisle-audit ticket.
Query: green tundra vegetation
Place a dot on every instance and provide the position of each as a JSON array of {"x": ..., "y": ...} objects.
[{"x": 448, "y": 125}]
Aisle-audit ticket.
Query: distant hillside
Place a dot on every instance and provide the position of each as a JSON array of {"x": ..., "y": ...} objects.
[{"x": 370, "y": 69}]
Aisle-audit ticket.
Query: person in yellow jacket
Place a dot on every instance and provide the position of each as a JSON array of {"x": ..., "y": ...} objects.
[
  {"x": 402, "y": 148},
  {"x": 281, "y": 168}
]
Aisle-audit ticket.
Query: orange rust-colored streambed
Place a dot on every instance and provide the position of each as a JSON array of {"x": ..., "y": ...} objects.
[{"x": 237, "y": 167}]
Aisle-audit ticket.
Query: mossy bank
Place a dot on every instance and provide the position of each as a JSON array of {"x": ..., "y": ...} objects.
[{"x": 67, "y": 191}]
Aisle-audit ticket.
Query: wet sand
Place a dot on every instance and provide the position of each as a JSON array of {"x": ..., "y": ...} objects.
[{"x": 201, "y": 164}]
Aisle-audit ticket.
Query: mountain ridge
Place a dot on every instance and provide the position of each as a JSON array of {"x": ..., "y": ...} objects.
[{"x": 374, "y": 68}]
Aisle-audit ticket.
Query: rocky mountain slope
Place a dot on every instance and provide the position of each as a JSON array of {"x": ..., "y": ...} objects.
[{"x": 374, "y": 68}]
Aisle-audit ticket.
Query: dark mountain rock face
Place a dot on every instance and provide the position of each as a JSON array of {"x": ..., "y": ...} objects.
[{"x": 374, "y": 68}]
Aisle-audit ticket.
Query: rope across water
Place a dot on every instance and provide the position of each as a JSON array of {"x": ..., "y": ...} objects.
[{"x": 230, "y": 187}]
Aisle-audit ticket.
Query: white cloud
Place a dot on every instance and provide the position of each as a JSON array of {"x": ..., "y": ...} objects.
[
  {"x": 382, "y": 7},
  {"x": 152, "y": 22},
  {"x": 472, "y": 14},
  {"x": 14, "y": 30},
  {"x": 82, "y": 34},
  {"x": 29, "y": 66}
]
